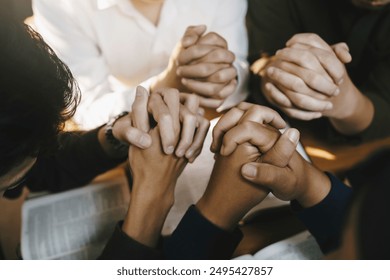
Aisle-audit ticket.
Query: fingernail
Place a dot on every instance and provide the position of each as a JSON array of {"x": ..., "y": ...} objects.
[
  {"x": 293, "y": 135},
  {"x": 169, "y": 150},
  {"x": 268, "y": 86},
  {"x": 178, "y": 71},
  {"x": 249, "y": 171},
  {"x": 180, "y": 153},
  {"x": 138, "y": 91},
  {"x": 341, "y": 81},
  {"x": 336, "y": 92},
  {"x": 271, "y": 70},
  {"x": 184, "y": 81},
  {"x": 145, "y": 141}
]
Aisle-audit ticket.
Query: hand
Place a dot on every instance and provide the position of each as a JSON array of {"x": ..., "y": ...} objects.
[
  {"x": 207, "y": 67},
  {"x": 305, "y": 77},
  {"x": 203, "y": 65},
  {"x": 228, "y": 198},
  {"x": 289, "y": 177},
  {"x": 180, "y": 125},
  {"x": 244, "y": 112},
  {"x": 345, "y": 112},
  {"x": 154, "y": 178}
]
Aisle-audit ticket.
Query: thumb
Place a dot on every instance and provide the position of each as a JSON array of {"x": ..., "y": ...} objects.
[
  {"x": 342, "y": 52},
  {"x": 192, "y": 35},
  {"x": 136, "y": 137}
]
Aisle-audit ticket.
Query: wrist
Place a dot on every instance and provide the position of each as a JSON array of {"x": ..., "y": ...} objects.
[
  {"x": 151, "y": 192},
  {"x": 217, "y": 216},
  {"x": 112, "y": 146},
  {"x": 317, "y": 186},
  {"x": 167, "y": 79},
  {"x": 145, "y": 218},
  {"x": 349, "y": 119}
]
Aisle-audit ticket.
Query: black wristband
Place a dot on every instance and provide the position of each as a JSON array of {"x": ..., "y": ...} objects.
[{"x": 115, "y": 143}]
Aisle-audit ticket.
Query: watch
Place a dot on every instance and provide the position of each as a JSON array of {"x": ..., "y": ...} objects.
[{"x": 115, "y": 143}]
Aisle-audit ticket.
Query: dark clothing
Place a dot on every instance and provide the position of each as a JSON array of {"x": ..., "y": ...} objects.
[
  {"x": 194, "y": 238},
  {"x": 271, "y": 23},
  {"x": 197, "y": 238},
  {"x": 325, "y": 220},
  {"x": 80, "y": 158}
]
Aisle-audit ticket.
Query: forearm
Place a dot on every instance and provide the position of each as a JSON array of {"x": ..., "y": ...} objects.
[
  {"x": 317, "y": 187},
  {"x": 146, "y": 216}
]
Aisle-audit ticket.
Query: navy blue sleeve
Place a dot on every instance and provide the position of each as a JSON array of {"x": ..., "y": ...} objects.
[
  {"x": 325, "y": 220},
  {"x": 123, "y": 247},
  {"x": 196, "y": 238},
  {"x": 79, "y": 159}
]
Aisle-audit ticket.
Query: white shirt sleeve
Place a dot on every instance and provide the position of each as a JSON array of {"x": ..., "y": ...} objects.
[
  {"x": 229, "y": 22},
  {"x": 96, "y": 48},
  {"x": 72, "y": 38}
]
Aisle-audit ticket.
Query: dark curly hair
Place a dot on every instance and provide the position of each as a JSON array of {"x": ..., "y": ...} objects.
[{"x": 37, "y": 94}]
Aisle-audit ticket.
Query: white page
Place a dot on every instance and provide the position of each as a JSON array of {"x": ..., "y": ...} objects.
[
  {"x": 75, "y": 224},
  {"x": 302, "y": 246}
]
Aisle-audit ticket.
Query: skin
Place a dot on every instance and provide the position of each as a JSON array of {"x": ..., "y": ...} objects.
[
  {"x": 201, "y": 63},
  {"x": 153, "y": 191},
  {"x": 370, "y": 4},
  {"x": 308, "y": 80},
  {"x": 16, "y": 174},
  {"x": 153, "y": 187},
  {"x": 243, "y": 135},
  {"x": 168, "y": 109},
  {"x": 149, "y": 9},
  {"x": 283, "y": 171}
]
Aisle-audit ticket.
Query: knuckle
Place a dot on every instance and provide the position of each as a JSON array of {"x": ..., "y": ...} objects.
[
  {"x": 185, "y": 142},
  {"x": 191, "y": 118},
  {"x": 314, "y": 78},
  {"x": 248, "y": 126},
  {"x": 298, "y": 85},
  {"x": 301, "y": 102},
  {"x": 165, "y": 117},
  {"x": 313, "y": 37}
]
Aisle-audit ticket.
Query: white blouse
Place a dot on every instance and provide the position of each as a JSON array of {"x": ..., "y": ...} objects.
[{"x": 111, "y": 47}]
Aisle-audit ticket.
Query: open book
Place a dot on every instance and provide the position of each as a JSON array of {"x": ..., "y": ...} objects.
[
  {"x": 75, "y": 224},
  {"x": 298, "y": 247}
]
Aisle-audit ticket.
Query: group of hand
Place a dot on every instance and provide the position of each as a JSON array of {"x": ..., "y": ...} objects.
[{"x": 252, "y": 159}]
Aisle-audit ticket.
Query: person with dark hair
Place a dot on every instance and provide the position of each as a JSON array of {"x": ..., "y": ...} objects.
[
  {"x": 324, "y": 58},
  {"x": 38, "y": 94}
]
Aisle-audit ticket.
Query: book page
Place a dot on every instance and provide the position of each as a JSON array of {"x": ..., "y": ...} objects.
[
  {"x": 302, "y": 246},
  {"x": 75, "y": 224}
]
